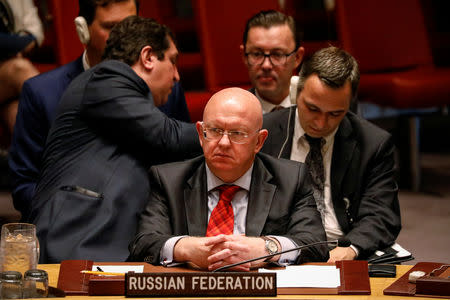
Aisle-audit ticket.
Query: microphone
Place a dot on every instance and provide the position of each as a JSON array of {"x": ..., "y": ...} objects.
[{"x": 342, "y": 242}]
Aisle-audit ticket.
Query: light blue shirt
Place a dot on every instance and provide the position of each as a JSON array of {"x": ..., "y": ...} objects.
[{"x": 240, "y": 205}]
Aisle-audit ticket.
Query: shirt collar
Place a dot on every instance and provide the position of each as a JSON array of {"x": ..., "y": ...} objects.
[
  {"x": 268, "y": 106},
  {"x": 213, "y": 181}
]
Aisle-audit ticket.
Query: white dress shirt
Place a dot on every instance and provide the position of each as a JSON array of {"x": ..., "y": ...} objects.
[
  {"x": 268, "y": 106},
  {"x": 300, "y": 149}
]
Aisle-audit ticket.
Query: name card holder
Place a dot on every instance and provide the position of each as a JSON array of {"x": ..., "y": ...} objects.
[
  {"x": 354, "y": 280},
  {"x": 200, "y": 284},
  {"x": 435, "y": 284}
]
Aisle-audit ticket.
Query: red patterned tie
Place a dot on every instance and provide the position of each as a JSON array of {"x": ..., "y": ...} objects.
[{"x": 222, "y": 216}]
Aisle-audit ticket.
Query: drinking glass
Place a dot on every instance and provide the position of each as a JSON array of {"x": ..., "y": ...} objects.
[
  {"x": 11, "y": 285},
  {"x": 19, "y": 247},
  {"x": 35, "y": 284}
]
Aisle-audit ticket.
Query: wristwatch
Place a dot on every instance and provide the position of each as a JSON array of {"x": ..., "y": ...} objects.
[{"x": 271, "y": 246}]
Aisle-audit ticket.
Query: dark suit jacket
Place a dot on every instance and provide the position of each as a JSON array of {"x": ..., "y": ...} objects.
[
  {"x": 362, "y": 171},
  {"x": 37, "y": 110},
  {"x": 94, "y": 180},
  {"x": 277, "y": 205}
]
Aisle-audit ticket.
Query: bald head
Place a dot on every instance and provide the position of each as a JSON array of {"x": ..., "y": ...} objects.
[
  {"x": 231, "y": 133},
  {"x": 235, "y": 102}
]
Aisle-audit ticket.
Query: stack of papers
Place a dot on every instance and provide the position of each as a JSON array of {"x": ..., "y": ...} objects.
[{"x": 394, "y": 254}]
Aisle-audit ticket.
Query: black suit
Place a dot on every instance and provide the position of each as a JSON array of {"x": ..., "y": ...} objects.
[
  {"x": 94, "y": 179},
  {"x": 362, "y": 171},
  {"x": 277, "y": 205}
]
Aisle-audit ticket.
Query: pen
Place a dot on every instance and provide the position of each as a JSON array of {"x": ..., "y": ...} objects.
[{"x": 102, "y": 273}]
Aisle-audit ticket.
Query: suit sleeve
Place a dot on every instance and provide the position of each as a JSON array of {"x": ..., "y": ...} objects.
[
  {"x": 26, "y": 149},
  {"x": 155, "y": 227},
  {"x": 129, "y": 117},
  {"x": 377, "y": 221}
]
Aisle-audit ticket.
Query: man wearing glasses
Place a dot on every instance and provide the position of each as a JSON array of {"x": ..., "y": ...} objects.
[
  {"x": 232, "y": 203},
  {"x": 271, "y": 51}
]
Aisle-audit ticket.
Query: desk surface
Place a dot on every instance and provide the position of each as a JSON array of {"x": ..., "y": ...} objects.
[{"x": 377, "y": 286}]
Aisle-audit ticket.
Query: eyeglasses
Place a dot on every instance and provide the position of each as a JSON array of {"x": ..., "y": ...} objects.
[
  {"x": 216, "y": 134},
  {"x": 275, "y": 58}
]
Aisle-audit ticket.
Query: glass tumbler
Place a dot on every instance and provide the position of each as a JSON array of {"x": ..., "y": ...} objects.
[
  {"x": 11, "y": 283},
  {"x": 19, "y": 247},
  {"x": 35, "y": 284}
]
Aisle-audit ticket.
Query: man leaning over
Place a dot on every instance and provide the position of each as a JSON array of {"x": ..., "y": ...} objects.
[
  {"x": 41, "y": 95},
  {"x": 107, "y": 133}
]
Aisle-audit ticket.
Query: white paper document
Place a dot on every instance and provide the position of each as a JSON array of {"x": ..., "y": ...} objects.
[
  {"x": 307, "y": 276},
  {"x": 119, "y": 269}
]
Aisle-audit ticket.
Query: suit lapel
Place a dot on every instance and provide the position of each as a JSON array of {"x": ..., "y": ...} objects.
[
  {"x": 196, "y": 203},
  {"x": 279, "y": 143},
  {"x": 259, "y": 199},
  {"x": 343, "y": 150}
]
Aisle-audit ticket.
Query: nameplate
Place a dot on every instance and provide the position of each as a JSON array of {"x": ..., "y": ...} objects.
[{"x": 200, "y": 284}]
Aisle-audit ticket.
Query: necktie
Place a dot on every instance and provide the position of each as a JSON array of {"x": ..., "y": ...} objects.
[
  {"x": 314, "y": 162},
  {"x": 221, "y": 220}
]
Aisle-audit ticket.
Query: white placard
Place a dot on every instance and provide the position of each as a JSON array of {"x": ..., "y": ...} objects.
[
  {"x": 307, "y": 276},
  {"x": 119, "y": 269}
]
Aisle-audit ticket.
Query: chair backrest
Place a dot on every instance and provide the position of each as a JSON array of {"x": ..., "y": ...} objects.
[
  {"x": 220, "y": 26},
  {"x": 66, "y": 43},
  {"x": 151, "y": 9},
  {"x": 383, "y": 34}
]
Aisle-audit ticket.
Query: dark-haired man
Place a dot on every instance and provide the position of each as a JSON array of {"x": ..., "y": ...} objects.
[
  {"x": 271, "y": 51},
  {"x": 351, "y": 160},
  {"x": 40, "y": 96},
  {"x": 107, "y": 133}
]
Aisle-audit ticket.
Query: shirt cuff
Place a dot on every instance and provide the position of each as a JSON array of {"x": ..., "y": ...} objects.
[
  {"x": 166, "y": 253},
  {"x": 356, "y": 250},
  {"x": 286, "y": 244}
]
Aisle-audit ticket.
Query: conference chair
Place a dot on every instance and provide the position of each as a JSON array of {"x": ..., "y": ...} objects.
[
  {"x": 190, "y": 61},
  {"x": 390, "y": 42},
  {"x": 220, "y": 26},
  {"x": 61, "y": 34}
]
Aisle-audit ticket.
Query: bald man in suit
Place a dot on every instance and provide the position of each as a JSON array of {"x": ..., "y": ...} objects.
[{"x": 270, "y": 211}]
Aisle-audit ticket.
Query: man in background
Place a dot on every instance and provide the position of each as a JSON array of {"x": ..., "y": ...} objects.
[
  {"x": 21, "y": 33},
  {"x": 107, "y": 133},
  {"x": 233, "y": 203},
  {"x": 41, "y": 96},
  {"x": 271, "y": 51},
  {"x": 351, "y": 161}
]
